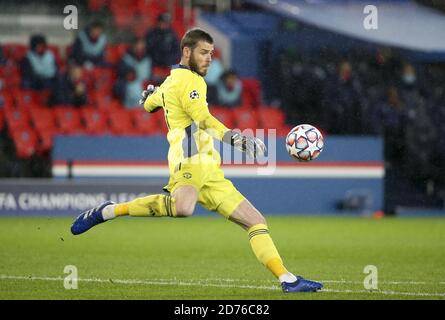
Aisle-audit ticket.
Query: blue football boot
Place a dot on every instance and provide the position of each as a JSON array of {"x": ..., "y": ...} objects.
[
  {"x": 301, "y": 285},
  {"x": 89, "y": 219}
]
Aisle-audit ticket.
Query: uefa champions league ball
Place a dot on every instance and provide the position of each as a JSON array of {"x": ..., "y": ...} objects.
[{"x": 304, "y": 142}]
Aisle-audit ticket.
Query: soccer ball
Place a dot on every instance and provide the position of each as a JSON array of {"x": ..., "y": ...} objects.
[{"x": 304, "y": 142}]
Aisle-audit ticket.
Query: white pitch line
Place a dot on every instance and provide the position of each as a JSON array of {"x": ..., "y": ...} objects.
[
  {"x": 234, "y": 280},
  {"x": 175, "y": 282},
  {"x": 323, "y": 281},
  {"x": 422, "y": 294}
]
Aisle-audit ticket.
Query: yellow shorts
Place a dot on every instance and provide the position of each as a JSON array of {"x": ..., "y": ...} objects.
[{"x": 216, "y": 193}]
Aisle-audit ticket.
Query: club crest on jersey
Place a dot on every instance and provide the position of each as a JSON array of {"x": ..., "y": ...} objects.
[
  {"x": 194, "y": 95},
  {"x": 187, "y": 175}
]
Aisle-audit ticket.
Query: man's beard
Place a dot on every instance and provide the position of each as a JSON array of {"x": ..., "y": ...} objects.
[{"x": 194, "y": 66}]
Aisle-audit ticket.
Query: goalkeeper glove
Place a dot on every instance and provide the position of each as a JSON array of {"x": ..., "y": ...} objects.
[
  {"x": 147, "y": 92},
  {"x": 252, "y": 146}
]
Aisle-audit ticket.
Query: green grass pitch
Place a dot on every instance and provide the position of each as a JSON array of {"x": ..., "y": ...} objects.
[{"x": 210, "y": 258}]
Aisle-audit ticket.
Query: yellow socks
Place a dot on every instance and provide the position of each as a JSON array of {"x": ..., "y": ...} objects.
[
  {"x": 157, "y": 205},
  {"x": 265, "y": 250},
  {"x": 121, "y": 209}
]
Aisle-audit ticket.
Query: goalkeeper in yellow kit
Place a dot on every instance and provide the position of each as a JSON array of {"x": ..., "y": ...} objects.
[{"x": 194, "y": 164}]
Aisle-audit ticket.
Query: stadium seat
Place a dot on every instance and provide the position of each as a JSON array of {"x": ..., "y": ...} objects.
[
  {"x": 151, "y": 8},
  {"x": 15, "y": 51},
  {"x": 10, "y": 76},
  {"x": 2, "y": 119},
  {"x": 25, "y": 141},
  {"x": 140, "y": 25},
  {"x": 121, "y": 123},
  {"x": 146, "y": 123},
  {"x": 103, "y": 79},
  {"x": 251, "y": 94},
  {"x": 6, "y": 100},
  {"x": 113, "y": 52},
  {"x": 46, "y": 138},
  {"x": 43, "y": 119},
  {"x": 3, "y": 77},
  {"x": 17, "y": 119},
  {"x": 27, "y": 98},
  {"x": 95, "y": 121},
  {"x": 123, "y": 12},
  {"x": 105, "y": 101},
  {"x": 245, "y": 118},
  {"x": 283, "y": 130},
  {"x": 122, "y": 19},
  {"x": 224, "y": 115},
  {"x": 96, "y": 5},
  {"x": 270, "y": 118},
  {"x": 68, "y": 120},
  {"x": 160, "y": 72}
]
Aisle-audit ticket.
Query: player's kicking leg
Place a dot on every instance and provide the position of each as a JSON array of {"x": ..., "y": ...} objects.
[
  {"x": 180, "y": 204},
  {"x": 262, "y": 245}
]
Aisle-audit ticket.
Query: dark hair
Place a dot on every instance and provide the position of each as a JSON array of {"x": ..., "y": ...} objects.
[
  {"x": 36, "y": 39},
  {"x": 96, "y": 24},
  {"x": 193, "y": 36},
  {"x": 164, "y": 17},
  {"x": 228, "y": 73}
]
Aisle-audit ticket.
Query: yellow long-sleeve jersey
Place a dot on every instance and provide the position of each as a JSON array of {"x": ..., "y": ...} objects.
[{"x": 191, "y": 127}]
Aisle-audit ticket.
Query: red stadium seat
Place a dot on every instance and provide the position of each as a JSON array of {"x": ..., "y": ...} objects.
[
  {"x": 27, "y": 98},
  {"x": 6, "y": 100},
  {"x": 25, "y": 141},
  {"x": 140, "y": 25},
  {"x": 151, "y": 8},
  {"x": 122, "y": 19},
  {"x": 103, "y": 79},
  {"x": 46, "y": 138},
  {"x": 224, "y": 115},
  {"x": 245, "y": 118},
  {"x": 17, "y": 119},
  {"x": 43, "y": 119},
  {"x": 160, "y": 72},
  {"x": 3, "y": 71},
  {"x": 123, "y": 12},
  {"x": 270, "y": 118},
  {"x": 96, "y": 5},
  {"x": 121, "y": 123},
  {"x": 24, "y": 97},
  {"x": 68, "y": 120},
  {"x": 10, "y": 76},
  {"x": 146, "y": 123},
  {"x": 106, "y": 102},
  {"x": 251, "y": 93},
  {"x": 113, "y": 52},
  {"x": 283, "y": 130},
  {"x": 2, "y": 119},
  {"x": 96, "y": 121},
  {"x": 15, "y": 51}
]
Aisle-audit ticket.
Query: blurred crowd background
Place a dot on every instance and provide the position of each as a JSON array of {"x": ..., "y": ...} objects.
[{"x": 90, "y": 82}]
